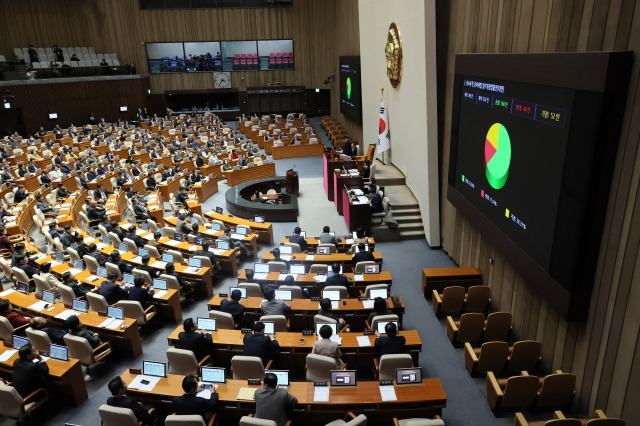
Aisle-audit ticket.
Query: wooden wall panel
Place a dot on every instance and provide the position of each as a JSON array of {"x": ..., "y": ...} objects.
[{"x": 603, "y": 350}]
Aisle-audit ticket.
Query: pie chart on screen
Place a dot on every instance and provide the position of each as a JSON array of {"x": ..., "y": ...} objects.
[{"x": 497, "y": 155}]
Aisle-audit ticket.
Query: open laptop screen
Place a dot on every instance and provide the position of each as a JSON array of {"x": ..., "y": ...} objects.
[
  {"x": 261, "y": 268},
  {"x": 123, "y": 247},
  {"x": 243, "y": 291},
  {"x": 269, "y": 327},
  {"x": 282, "y": 375},
  {"x": 333, "y": 295},
  {"x": 195, "y": 263},
  {"x": 343, "y": 377},
  {"x": 285, "y": 250},
  {"x": 159, "y": 284},
  {"x": 167, "y": 258},
  {"x": 333, "y": 325},
  {"x": 241, "y": 230},
  {"x": 213, "y": 374},
  {"x": 22, "y": 287},
  {"x": 283, "y": 294},
  {"x": 208, "y": 324},
  {"x": 383, "y": 324},
  {"x": 323, "y": 250},
  {"x": 18, "y": 342},
  {"x": 102, "y": 272},
  {"x": 378, "y": 292},
  {"x": 59, "y": 352},
  {"x": 48, "y": 296},
  {"x": 128, "y": 278},
  {"x": 406, "y": 376},
  {"x": 153, "y": 368},
  {"x": 223, "y": 245},
  {"x": 79, "y": 305},
  {"x": 115, "y": 312}
]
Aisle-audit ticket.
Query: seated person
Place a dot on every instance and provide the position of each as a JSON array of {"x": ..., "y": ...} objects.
[
  {"x": 76, "y": 328},
  {"x": 325, "y": 346},
  {"x": 118, "y": 389},
  {"x": 29, "y": 371},
  {"x": 197, "y": 341},
  {"x": 16, "y": 319},
  {"x": 96, "y": 212},
  {"x": 111, "y": 291},
  {"x": 55, "y": 334},
  {"x": 327, "y": 238},
  {"x": 140, "y": 294},
  {"x": 185, "y": 286},
  {"x": 78, "y": 245},
  {"x": 391, "y": 343},
  {"x": 360, "y": 238},
  {"x": 362, "y": 255},
  {"x": 48, "y": 277},
  {"x": 233, "y": 306},
  {"x": 277, "y": 258},
  {"x": 226, "y": 236},
  {"x": 190, "y": 403},
  {"x": 337, "y": 278},
  {"x": 154, "y": 273},
  {"x": 257, "y": 344},
  {"x": 379, "y": 308},
  {"x": 376, "y": 201},
  {"x": 272, "y": 401},
  {"x": 298, "y": 239},
  {"x": 273, "y": 306},
  {"x": 96, "y": 254},
  {"x": 134, "y": 237},
  {"x": 75, "y": 285},
  {"x": 116, "y": 259},
  {"x": 206, "y": 253},
  {"x": 23, "y": 264},
  {"x": 325, "y": 310}
]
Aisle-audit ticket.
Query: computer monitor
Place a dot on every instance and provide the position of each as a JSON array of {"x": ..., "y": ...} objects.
[
  {"x": 59, "y": 352},
  {"x": 333, "y": 295},
  {"x": 374, "y": 268},
  {"x": 269, "y": 327},
  {"x": 143, "y": 252},
  {"x": 167, "y": 258},
  {"x": 144, "y": 226},
  {"x": 208, "y": 324},
  {"x": 79, "y": 305},
  {"x": 18, "y": 341},
  {"x": 330, "y": 270},
  {"x": 241, "y": 230},
  {"x": 154, "y": 368},
  {"x": 303, "y": 234},
  {"x": 195, "y": 263},
  {"x": 378, "y": 292},
  {"x": 261, "y": 268},
  {"x": 323, "y": 250},
  {"x": 123, "y": 247},
  {"x": 102, "y": 272},
  {"x": 128, "y": 278},
  {"x": 408, "y": 376},
  {"x": 366, "y": 248},
  {"x": 343, "y": 377},
  {"x": 77, "y": 264},
  {"x": 297, "y": 269},
  {"x": 22, "y": 287},
  {"x": 115, "y": 312},
  {"x": 243, "y": 291},
  {"x": 48, "y": 296},
  {"x": 283, "y": 294},
  {"x": 383, "y": 324},
  {"x": 223, "y": 245},
  {"x": 258, "y": 219},
  {"x": 219, "y": 210},
  {"x": 161, "y": 231},
  {"x": 178, "y": 237},
  {"x": 198, "y": 241},
  {"x": 44, "y": 249},
  {"x": 333, "y": 325},
  {"x": 59, "y": 257},
  {"x": 216, "y": 226},
  {"x": 286, "y": 249},
  {"x": 159, "y": 284},
  {"x": 213, "y": 375},
  {"x": 194, "y": 221},
  {"x": 282, "y": 375},
  {"x": 106, "y": 240}
]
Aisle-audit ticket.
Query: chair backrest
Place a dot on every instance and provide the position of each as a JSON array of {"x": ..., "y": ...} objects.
[
  {"x": 277, "y": 266},
  {"x": 478, "y": 297},
  {"x": 41, "y": 284},
  {"x": 295, "y": 247},
  {"x": 498, "y": 327},
  {"x": 153, "y": 251},
  {"x": 140, "y": 273},
  {"x": 520, "y": 392},
  {"x": 389, "y": 363},
  {"x": 319, "y": 366},
  {"x": 247, "y": 367},
  {"x": 97, "y": 302},
  {"x": 39, "y": 339},
  {"x": 133, "y": 309},
  {"x": 6, "y": 268},
  {"x": 360, "y": 420},
  {"x": 224, "y": 320},
  {"x": 383, "y": 318},
  {"x": 112, "y": 268},
  {"x": 332, "y": 247},
  {"x": 20, "y": 274},
  {"x": 563, "y": 422},
  {"x": 452, "y": 300},
  {"x": 367, "y": 290},
  {"x": 493, "y": 357},
  {"x": 6, "y": 330},
  {"x": 317, "y": 267},
  {"x": 361, "y": 265},
  {"x": 91, "y": 263},
  {"x": 172, "y": 282},
  {"x": 557, "y": 390},
  {"x": 116, "y": 416},
  {"x": 253, "y": 289},
  {"x": 296, "y": 292},
  {"x": 606, "y": 422},
  {"x": 11, "y": 402},
  {"x": 525, "y": 356},
  {"x": 280, "y": 322},
  {"x": 115, "y": 240},
  {"x": 177, "y": 256},
  {"x": 131, "y": 245},
  {"x": 252, "y": 421},
  {"x": 470, "y": 328},
  {"x": 342, "y": 289},
  {"x": 79, "y": 348},
  {"x": 182, "y": 361},
  {"x": 184, "y": 420},
  {"x": 206, "y": 262},
  {"x": 66, "y": 294}
]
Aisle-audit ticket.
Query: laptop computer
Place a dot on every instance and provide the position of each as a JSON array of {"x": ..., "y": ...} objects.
[
  {"x": 216, "y": 226},
  {"x": 102, "y": 272},
  {"x": 22, "y": 287},
  {"x": 333, "y": 325},
  {"x": 128, "y": 278},
  {"x": 333, "y": 295},
  {"x": 283, "y": 295},
  {"x": 61, "y": 353},
  {"x": 78, "y": 264},
  {"x": 372, "y": 269},
  {"x": 159, "y": 284},
  {"x": 243, "y": 291},
  {"x": 123, "y": 247},
  {"x": 261, "y": 268},
  {"x": 48, "y": 296},
  {"x": 408, "y": 376},
  {"x": 18, "y": 341},
  {"x": 143, "y": 252},
  {"x": 154, "y": 368},
  {"x": 223, "y": 245},
  {"x": 208, "y": 324},
  {"x": 282, "y": 375},
  {"x": 213, "y": 375},
  {"x": 378, "y": 292},
  {"x": 286, "y": 250},
  {"x": 79, "y": 305},
  {"x": 297, "y": 269},
  {"x": 383, "y": 324},
  {"x": 59, "y": 257},
  {"x": 269, "y": 327},
  {"x": 167, "y": 258},
  {"x": 241, "y": 230},
  {"x": 195, "y": 263},
  {"x": 144, "y": 226},
  {"x": 115, "y": 312},
  {"x": 343, "y": 377}
]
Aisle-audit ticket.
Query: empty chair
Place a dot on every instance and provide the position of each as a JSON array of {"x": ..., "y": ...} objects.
[
  {"x": 599, "y": 419},
  {"x": 468, "y": 329},
  {"x": 112, "y": 268},
  {"x": 183, "y": 361},
  {"x": 497, "y": 327},
  {"x": 153, "y": 251},
  {"x": 97, "y": 302},
  {"x": 385, "y": 210},
  {"x": 14, "y": 406},
  {"x": 252, "y": 421},
  {"x": 40, "y": 285},
  {"x": 66, "y": 295},
  {"x": 133, "y": 309},
  {"x": 275, "y": 266},
  {"x": 450, "y": 302},
  {"x": 360, "y": 266},
  {"x": 295, "y": 247},
  {"x": 367, "y": 290},
  {"x": 80, "y": 349},
  {"x": 188, "y": 420},
  {"x": 91, "y": 263},
  {"x": 383, "y": 318},
  {"x": 20, "y": 274},
  {"x": 38, "y": 339},
  {"x": 248, "y": 367},
  {"x": 296, "y": 292},
  {"x": 477, "y": 298},
  {"x": 253, "y": 289},
  {"x": 319, "y": 366},
  {"x": 521, "y": 421},
  {"x": 131, "y": 245},
  {"x": 556, "y": 390},
  {"x": 317, "y": 267},
  {"x": 491, "y": 356},
  {"x": 7, "y": 331},
  {"x": 224, "y": 320},
  {"x": 344, "y": 293},
  {"x": 332, "y": 247},
  {"x": 525, "y": 355},
  {"x": 350, "y": 419},
  {"x": 517, "y": 392},
  {"x": 418, "y": 422},
  {"x": 177, "y": 256},
  {"x": 386, "y": 366},
  {"x": 116, "y": 416},
  {"x": 280, "y": 322}
]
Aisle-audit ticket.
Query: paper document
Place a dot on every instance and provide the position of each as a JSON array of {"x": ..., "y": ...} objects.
[
  {"x": 66, "y": 314},
  {"x": 260, "y": 275},
  {"x": 285, "y": 256},
  {"x": 349, "y": 240},
  {"x": 111, "y": 323},
  {"x": 159, "y": 264},
  {"x": 54, "y": 263},
  {"x": 206, "y": 394},
  {"x": 237, "y": 236},
  {"x": 359, "y": 277},
  {"x": 388, "y": 393},
  {"x": 101, "y": 246},
  {"x": 311, "y": 256},
  {"x": 320, "y": 278},
  {"x": 7, "y": 354},
  {"x": 192, "y": 270},
  {"x": 336, "y": 338},
  {"x": 283, "y": 276},
  {"x": 38, "y": 306},
  {"x": 159, "y": 294},
  {"x": 172, "y": 243},
  {"x": 321, "y": 394},
  {"x": 93, "y": 278},
  {"x": 140, "y": 231},
  {"x": 218, "y": 252},
  {"x": 137, "y": 382},
  {"x": 246, "y": 394},
  {"x": 6, "y": 292},
  {"x": 193, "y": 248},
  {"x": 363, "y": 340},
  {"x": 367, "y": 304},
  {"x": 358, "y": 191},
  {"x": 148, "y": 237},
  {"x": 74, "y": 271},
  {"x": 363, "y": 199}
]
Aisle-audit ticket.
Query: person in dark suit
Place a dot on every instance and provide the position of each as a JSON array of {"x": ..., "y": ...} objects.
[
  {"x": 140, "y": 294},
  {"x": 197, "y": 341},
  {"x": 366, "y": 171},
  {"x": 116, "y": 259},
  {"x": 391, "y": 343},
  {"x": 55, "y": 334},
  {"x": 362, "y": 255},
  {"x": 29, "y": 371},
  {"x": 233, "y": 306},
  {"x": 205, "y": 252},
  {"x": 24, "y": 265},
  {"x": 325, "y": 310},
  {"x": 257, "y": 344},
  {"x": 181, "y": 197},
  {"x": 154, "y": 273},
  {"x": 78, "y": 246},
  {"x": 327, "y": 238},
  {"x": 190, "y": 403},
  {"x": 76, "y": 328},
  {"x": 299, "y": 239},
  {"x": 379, "y": 308},
  {"x": 337, "y": 278},
  {"x": 101, "y": 194},
  {"x": 96, "y": 254},
  {"x": 118, "y": 389},
  {"x": 376, "y": 201},
  {"x": 150, "y": 182},
  {"x": 185, "y": 286},
  {"x": 111, "y": 291},
  {"x": 134, "y": 237},
  {"x": 272, "y": 402}
]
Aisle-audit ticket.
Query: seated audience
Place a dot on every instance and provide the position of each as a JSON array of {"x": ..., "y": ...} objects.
[
  {"x": 272, "y": 401},
  {"x": 190, "y": 403}
]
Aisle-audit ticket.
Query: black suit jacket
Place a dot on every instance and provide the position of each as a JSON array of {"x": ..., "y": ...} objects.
[
  {"x": 234, "y": 308},
  {"x": 338, "y": 279},
  {"x": 390, "y": 345},
  {"x": 259, "y": 345},
  {"x": 153, "y": 272},
  {"x": 124, "y": 401},
  {"x": 363, "y": 256},
  {"x": 197, "y": 343},
  {"x": 112, "y": 292},
  {"x": 192, "y": 404},
  {"x": 207, "y": 254},
  {"x": 28, "y": 376},
  {"x": 298, "y": 239}
]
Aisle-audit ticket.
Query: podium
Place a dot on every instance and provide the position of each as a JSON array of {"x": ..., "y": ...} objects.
[{"x": 291, "y": 182}]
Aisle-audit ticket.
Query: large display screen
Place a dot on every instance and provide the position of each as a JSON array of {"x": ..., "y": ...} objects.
[{"x": 351, "y": 88}]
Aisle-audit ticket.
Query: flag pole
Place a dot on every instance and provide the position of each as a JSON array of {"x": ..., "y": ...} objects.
[{"x": 381, "y": 157}]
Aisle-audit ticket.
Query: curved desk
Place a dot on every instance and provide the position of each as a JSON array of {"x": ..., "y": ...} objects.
[{"x": 238, "y": 201}]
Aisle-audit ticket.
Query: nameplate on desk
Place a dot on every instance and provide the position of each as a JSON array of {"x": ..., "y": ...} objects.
[
  {"x": 223, "y": 295},
  {"x": 102, "y": 314},
  {"x": 369, "y": 332},
  {"x": 253, "y": 381},
  {"x": 245, "y": 330},
  {"x": 7, "y": 344},
  {"x": 386, "y": 382},
  {"x": 315, "y": 299},
  {"x": 316, "y": 384},
  {"x": 362, "y": 297},
  {"x": 307, "y": 332},
  {"x": 135, "y": 371}
]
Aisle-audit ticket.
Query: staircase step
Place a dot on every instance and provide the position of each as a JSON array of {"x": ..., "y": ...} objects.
[
  {"x": 408, "y": 219},
  {"x": 412, "y": 235},
  {"x": 410, "y": 226},
  {"x": 405, "y": 212}
]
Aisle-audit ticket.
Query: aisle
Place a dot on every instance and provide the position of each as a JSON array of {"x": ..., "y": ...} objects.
[{"x": 315, "y": 211}]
